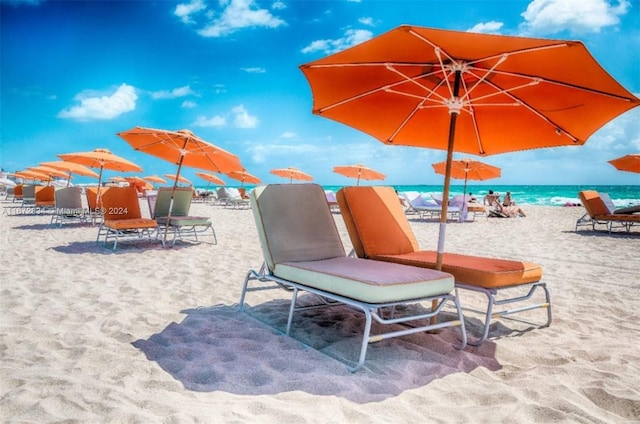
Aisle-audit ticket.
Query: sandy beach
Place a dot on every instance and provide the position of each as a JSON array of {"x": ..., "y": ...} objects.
[{"x": 147, "y": 334}]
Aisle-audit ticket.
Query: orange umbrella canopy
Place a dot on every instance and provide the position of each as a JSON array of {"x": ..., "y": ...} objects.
[
  {"x": 177, "y": 178},
  {"x": 182, "y": 148},
  {"x": 629, "y": 163},
  {"x": 211, "y": 178},
  {"x": 469, "y": 169},
  {"x": 291, "y": 174},
  {"x": 52, "y": 172},
  {"x": 71, "y": 168},
  {"x": 102, "y": 159},
  {"x": 244, "y": 177},
  {"x": 32, "y": 175},
  {"x": 155, "y": 179},
  {"x": 359, "y": 172},
  {"x": 467, "y": 92}
]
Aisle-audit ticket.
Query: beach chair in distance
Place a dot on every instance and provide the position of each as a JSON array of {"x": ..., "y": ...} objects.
[
  {"x": 68, "y": 206},
  {"x": 17, "y": 193},
  {"x": 45, "y": 197},
  {"x": 29, "y": 195},
  {"x": 303, "y": 252},
  {"x": 597, "y": 213},
  {"x": 379, "y": 230},
  {"x": 122, "y": 217},
  {"x": 180, "y": 224},
  {"x": 95, "y": 213}
]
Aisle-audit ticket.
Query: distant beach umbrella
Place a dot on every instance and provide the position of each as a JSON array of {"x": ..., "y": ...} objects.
[
  {"x": 155, "y": 179},
  {"x": 32, "y": 175},
  {"x": 102, "y": 159},
  {"x": 52, "y": 172},
  {"x": 244, "y": 177},
  {"x": 628, "y": 163},
  {"x": 360, "y": 172},
  {"x": 468, "y": 169},
  {"x": 7, "y": 182},
  {"x": 182, "y": 148},
  {"x": 291, "y": 174},
  {"x": 466, "y": 92},
  {"x": 71, "y": 168},
  {"x": 210, "y": 178},
  {"x": 178, "y": 179}
]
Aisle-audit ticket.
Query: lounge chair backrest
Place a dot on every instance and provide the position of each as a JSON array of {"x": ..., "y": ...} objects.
[
  {"x": 233, "y": 193},
  {"x": 611, "y": 207},
  {"x": 120, "y": 203},
  {"x": 593, "y": 203},
  {"x": 222, "y": 193},
  {"x": 376, "y": 221},
  {"x": 92, "y": 193},
  {"x": 181, "y": 202},
  {"x": 45, "y": 194},
  {"x": 295, "y": 224},
  {"x": 17, "y": 191},
  {"x": 29, "y": 193},
  {"x": 69, "y": 198}
]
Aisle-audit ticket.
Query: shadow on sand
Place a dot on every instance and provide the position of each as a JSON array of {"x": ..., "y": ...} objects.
[{"x": 221, "y": 348}]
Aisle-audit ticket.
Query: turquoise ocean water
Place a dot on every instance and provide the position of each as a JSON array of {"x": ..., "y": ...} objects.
[{"x": 543, "y": 195}]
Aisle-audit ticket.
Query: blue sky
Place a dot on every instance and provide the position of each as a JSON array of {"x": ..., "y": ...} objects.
[{"x": 74, "y": 73}]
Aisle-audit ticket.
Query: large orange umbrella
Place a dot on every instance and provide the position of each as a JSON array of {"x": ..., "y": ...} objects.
[
  {"x": 52, "y": 172},
  {"x": 291, "y": 174},
  {"x": 629, "y": 163},
  {"x": 474, "y": 93},
  {"x": 244, "y": 177},
  {"x": 210, "y": 178},
  {"x": 102, "y": 159},
  {"x": 360, "y": 172},
  {"x": 468, "y": 169}
]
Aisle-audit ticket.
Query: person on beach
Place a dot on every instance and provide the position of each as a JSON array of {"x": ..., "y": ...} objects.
[
  {"x": 512, "y": 211},
  {"x": 491, "y": 198},
  {"x": 472, "y": 198},
  {"x": 508, "y": 201}
]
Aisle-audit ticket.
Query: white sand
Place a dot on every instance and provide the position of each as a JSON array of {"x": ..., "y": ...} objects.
[{"x": 148, "y": 334}]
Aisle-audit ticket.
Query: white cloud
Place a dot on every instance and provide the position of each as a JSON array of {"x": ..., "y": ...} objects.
[
  {"x": 491, "y": 27},
  {"x": 185, "y": 11},
  {"x": 243, "y": 119},
  {"x": 261, "y": 153},
  {"x": 278, "y": 5},
  {"x": 254, "y": 70},
  {"x": 351, "y": 38},
  {"x": 366, "y": 21},
  {"x": 93, "y": 107},
  {"x": 172, "y": 94},
  {"x": 215, "y": 121},
  {"x": 219, "y": 88},
  {"x": 239, "y": 14},
  {"x": 289, "y": 134},
  {"x": 188, "y": 104},
  {"x": 584, "y": 16}
]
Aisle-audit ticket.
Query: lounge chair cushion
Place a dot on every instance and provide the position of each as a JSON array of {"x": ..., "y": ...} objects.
[
  {"x": 185, "y": 221},
  {"x": 473, "y": 270},
  {"x": 301, "y": 236},
  {"x": 365, "y": 280},
  {"x": 130, "y": 223},
  {"x": 381, "y": 231}
]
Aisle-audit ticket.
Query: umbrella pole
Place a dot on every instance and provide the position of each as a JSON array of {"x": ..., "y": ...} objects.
[
  {"x": 98, "y": 197},
  {"x": 173, "y": 191},
  {"x": 447, "y": 181}
]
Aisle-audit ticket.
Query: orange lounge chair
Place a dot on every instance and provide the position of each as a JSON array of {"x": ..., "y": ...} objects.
[
  {"x": 45, "y": 197},
  {"x": 92, "y": 202},
  {"x": 17, "y": 193},
  {"x": 379, "y": 230},
  {"x": 122, "y": 217},
  {"x": 597, "y": 213}
]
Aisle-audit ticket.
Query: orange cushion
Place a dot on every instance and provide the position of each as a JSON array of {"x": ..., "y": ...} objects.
[
  {"x": 381, "y": 224},
  {"x": 130, "y": 224},
  {"x": 473, "y": 270}
]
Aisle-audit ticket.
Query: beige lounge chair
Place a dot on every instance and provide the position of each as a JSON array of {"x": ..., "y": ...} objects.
[
  {"x": 180, "y": 224},
  {"x": 379, "y": 230},
  {"x": 68, "y": 207},
  {"x": 122, "y": 217},
  {"x": 597, "y": 213},
  {"x": 303, "y": 252}
]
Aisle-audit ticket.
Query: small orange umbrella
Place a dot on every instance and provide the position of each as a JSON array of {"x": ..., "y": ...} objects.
[
  {"x": 71, "y": 168},
  {"x": 210, "y": 178},
  {"x": 32, "y": 175},
  {"x": 468, "y": 169},
  {"x": 359, "y": 172},
  {"x": 52, "y": 172},
  {"x": 292, "y": 174},
  {"x": 155, "y": 179},
  {"x": 103, "y": 159},
  {"x": 178, "y": 179},
  {"x": 118, "y": 179},
  {"x": 629, "y": 163},
  {"x": 244, "y": 177}
]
